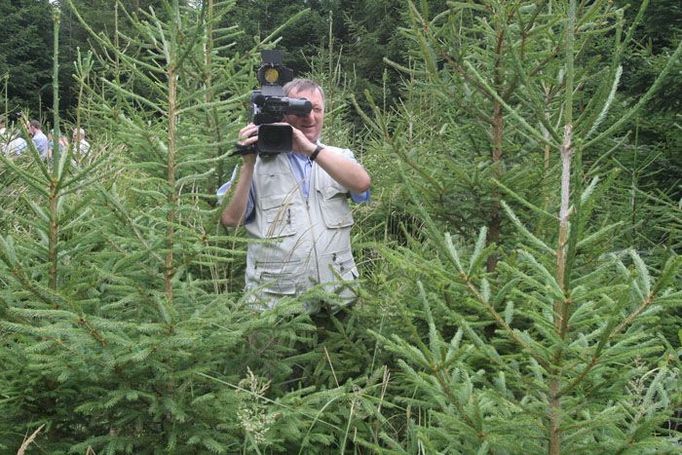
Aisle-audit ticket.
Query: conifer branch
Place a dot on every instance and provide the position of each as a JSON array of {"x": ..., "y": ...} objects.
[
  {"x": 134, "y": 64},
  {"x": 502, "y": 323},
  {"x": 143, "y": 100},
  {"x": 535, "y": 241},
  {"x": 28, "y": 441},
  {"x": 120, "y": 210},
  {"x": 523, "y": 201},
  {"x": 532, "y": 131},
  {"x": 589, "y": 113},
  {"x": 613, "y": 330},
  {"x": 643, "y": 100},
  {"x": 535, "y": 102},
  {"x": 37, "y": 185},
  {"x": 45, "y": 295},
  {"x": 277, "y": 403}
]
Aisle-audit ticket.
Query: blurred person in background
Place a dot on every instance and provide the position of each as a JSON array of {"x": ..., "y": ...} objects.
[
  {"x": 80, "y": 145},
  {"x": 40, "y": 141}
]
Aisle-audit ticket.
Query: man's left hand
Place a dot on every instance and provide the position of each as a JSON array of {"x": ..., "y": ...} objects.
[{"x": 299, "y": 142}]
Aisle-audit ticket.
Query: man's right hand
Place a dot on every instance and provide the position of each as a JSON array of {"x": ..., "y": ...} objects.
[
  {"x": 235, "y": 211},
  {"x": 248, "y": 136}
]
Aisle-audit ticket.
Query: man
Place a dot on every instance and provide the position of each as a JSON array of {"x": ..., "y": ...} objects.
[
  {"x": 39, "y": 139},
  {"x": 295, "y": 205},
  {"x": 80, "y": 145}
]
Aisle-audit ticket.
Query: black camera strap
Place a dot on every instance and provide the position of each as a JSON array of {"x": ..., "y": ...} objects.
[{"x": 240, "y": 149}]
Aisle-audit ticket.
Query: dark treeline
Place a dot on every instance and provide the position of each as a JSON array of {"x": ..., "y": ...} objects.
[
  {"x": 362, "y": 32},
  {"x": 27, "y": 41}
]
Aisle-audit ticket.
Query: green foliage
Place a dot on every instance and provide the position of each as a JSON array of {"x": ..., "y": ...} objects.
[
  {"x": 121, "y": 319},
  {"x": 657, "y": 128},
  {"x": 541, "y": 351},
  {"x": 521, "y": 287}
]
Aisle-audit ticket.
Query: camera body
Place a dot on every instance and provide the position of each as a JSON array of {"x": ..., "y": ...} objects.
[
  {"x": 15, "y": 116},
  {"x": 270, "y": 104}
]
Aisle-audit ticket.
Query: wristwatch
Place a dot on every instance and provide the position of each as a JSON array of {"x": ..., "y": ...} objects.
[{"x": 315, "y": 152}]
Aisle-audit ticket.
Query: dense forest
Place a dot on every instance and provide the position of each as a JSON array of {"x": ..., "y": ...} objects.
[{"x": 520, "y": 270}]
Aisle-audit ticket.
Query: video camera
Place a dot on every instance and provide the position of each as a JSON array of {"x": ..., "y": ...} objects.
[
  {"x": 14, "y": 116},
  {"x": 270, "y": 104}
]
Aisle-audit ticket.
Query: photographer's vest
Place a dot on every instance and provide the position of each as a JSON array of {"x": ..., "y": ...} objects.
[{"x": 299, "y": 243}]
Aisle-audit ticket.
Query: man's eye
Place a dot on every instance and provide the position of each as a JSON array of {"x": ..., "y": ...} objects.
[{"x": 317, "y": 110}]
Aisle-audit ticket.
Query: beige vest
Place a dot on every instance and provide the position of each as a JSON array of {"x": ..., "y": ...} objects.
[{"x": 298, "y": 243}]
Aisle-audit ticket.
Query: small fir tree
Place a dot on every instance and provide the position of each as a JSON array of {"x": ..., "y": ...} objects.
[{"x": 558, "y": 347}]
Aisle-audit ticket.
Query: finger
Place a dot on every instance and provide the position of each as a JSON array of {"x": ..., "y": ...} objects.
[
  {"x": 248, "y": 130},
  {"x": 249, "y": 140},
  {"x": 243, "y": 133}
]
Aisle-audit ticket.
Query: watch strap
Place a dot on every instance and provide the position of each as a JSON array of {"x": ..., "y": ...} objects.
[{"x": 315, "y": 152}]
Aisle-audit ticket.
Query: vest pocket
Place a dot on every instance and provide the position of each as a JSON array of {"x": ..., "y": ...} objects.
[
  {"x": 333, "y": 200},
  {"x": 279, "y": 217},
  {"x": 277, "y": 277},
  {"x": 343, "y": 265},
  {"x": 277, "y": 284},
  {"x": 344, "y": 273}
]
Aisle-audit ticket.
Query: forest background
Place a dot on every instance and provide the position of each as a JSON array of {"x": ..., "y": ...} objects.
[{"x": 519, "y": 259}]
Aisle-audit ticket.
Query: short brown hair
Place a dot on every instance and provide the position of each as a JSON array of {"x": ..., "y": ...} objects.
[{"x": 35, "y": 124}]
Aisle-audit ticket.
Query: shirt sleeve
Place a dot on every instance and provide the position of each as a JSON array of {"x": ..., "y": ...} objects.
[
  {"x": 358, "y": 198},
  {"x": 41, "y": 144},
  {"x": 222, "y": 191}
]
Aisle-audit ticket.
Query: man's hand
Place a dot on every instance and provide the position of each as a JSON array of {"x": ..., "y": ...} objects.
[
  {"x": 348, "y": 173},
  {"x": 300, "y": 143},
  {"x": 248, "y": 136},
  {"x": 234, "y": 212}
]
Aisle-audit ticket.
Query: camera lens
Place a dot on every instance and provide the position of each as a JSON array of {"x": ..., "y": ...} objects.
[{"x": 299, "y": 106}]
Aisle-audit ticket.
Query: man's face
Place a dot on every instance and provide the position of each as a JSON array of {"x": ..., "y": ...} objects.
[{"x": 311, "y": 124}]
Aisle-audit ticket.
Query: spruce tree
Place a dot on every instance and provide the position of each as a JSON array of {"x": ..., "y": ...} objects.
[{"x": 557, "y": 348}]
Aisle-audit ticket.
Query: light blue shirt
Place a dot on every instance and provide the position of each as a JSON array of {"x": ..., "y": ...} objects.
[
  {"x": 40, "y": 141},
  {"x": 301, "y": 166}
]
